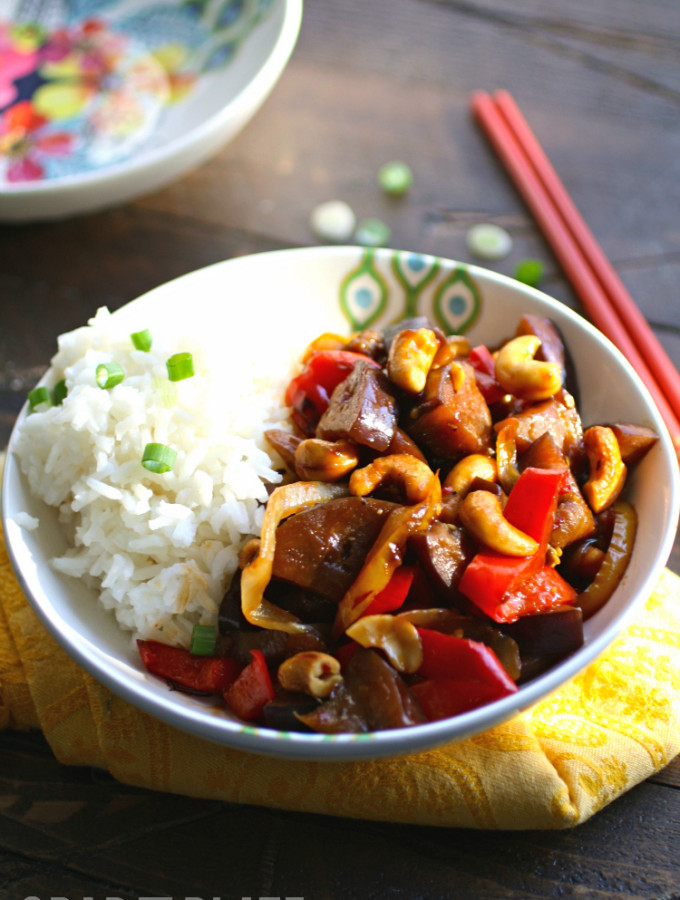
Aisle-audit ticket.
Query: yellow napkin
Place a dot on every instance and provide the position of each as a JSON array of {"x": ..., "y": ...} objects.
[{"x": 552, "y": 767}]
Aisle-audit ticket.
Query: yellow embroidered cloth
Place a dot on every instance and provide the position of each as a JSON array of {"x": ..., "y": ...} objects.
[{"x": 551, "y": 767}]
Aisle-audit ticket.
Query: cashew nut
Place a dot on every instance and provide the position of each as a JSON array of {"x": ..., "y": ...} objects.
[
  {"x": 520, "y": 374},
  {"x": 410, "y": 358},
  {"x": 506, "y": 454},
  {"x": 607, "y": 470},
  {"x": 470, "y": 467},
  {"x": 396, "y": 637},
  {"x": 455, "y": 346},
  {"x": 310, "y": 672},
  {"x": 411, "y": 473},
  {"x": 317, "y": 460},
  {"x": 482, "y": 514},
  {"x": 457, "y": 376}
]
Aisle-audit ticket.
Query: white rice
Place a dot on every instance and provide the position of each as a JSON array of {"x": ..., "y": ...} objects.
[{"x": 159, "y": 549}]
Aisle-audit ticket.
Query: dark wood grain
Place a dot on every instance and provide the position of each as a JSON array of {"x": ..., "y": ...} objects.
[
  {"x": 368, "y": 82},
  {"x": 87, "y": 835}
]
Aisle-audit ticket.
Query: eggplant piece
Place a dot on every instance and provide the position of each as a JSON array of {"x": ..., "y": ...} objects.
[
  {"x": 339, "y": 715},
  {"x": 361, "y": 409},
  {"x": 322, "y": 549},
  {"x": 285, "y": 443},
  {"x": 307, "y": 605},
  {"x": 558, "y": 417},
  {"x": 369, "y": 343},
  {"x": 444, "y": 552},
  {"x": 554, "y": 633},
  {"x": 402, "y": 443},
  {"x": 372, "y": 697},
  {"x": 451, "y": 504},
  {"x": 453, "y": 418},
  {"x": 581, "y": 562},
  {"x": 230, "y": 617},
  {"x": 274, "y": 645},
  {"x": 634, "y": 441},
  {"x": 380, "y": 692},
  {"x": 282, "y": 712}
]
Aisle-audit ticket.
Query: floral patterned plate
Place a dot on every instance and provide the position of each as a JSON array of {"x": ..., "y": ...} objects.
[{"x": 102, "y": 100}]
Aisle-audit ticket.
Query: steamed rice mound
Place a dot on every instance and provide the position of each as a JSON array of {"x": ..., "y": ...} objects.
[{"x": 160, "y": 549}]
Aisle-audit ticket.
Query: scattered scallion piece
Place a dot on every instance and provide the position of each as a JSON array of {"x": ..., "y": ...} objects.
[
  {"x": 203, "y": 640},
  {"x": 38, "y": 396},
  {"x": 395, "y": 178},
  {"x": 59, "y": 393},
  {"x": 158, "y": 458},
  {"x": 142, "y": 340},
  {"x": 333, "y": 221},
  {"x": 180, "y": 366},
  {"x": 373, "y": 233},
  {"x": 488, "y": 241},
  {"x": 108, "y": 375},
  {"x": 529, "y": 271}
]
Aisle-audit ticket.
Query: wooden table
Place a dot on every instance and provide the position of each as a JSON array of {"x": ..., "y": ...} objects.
[{"x": 368, "y": 82}]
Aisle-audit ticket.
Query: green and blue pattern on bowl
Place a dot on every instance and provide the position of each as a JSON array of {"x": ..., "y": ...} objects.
[{"x": 395, "y": 285}]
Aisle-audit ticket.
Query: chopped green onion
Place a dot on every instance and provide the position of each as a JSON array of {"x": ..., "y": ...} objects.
[
  {"x": 373, "y": 233},
  {"x": 529, "y": 271},
  {"x": 203, "y": 640},
  {"x": 108, "y": 375},
  {"x": 180, "y": 366},
  {"x": 158, "y": 458},
  {"x": 142, "y": 340},
  {"x": 37, "y": 396},
  {"x": 488, "y": 241},
  {"x": 395, "y": 178},
  {"x": 60, "y": 392}
]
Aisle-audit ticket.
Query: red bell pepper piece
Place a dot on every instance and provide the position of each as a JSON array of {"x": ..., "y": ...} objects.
[
  {"x": 207, "y": 674},
  {"x": 309, "y": 392},
  {"x": 396, "y": 592},
  {"x": 450, "y": 658},
  {"x": 252, "y": 690},
  {"x": 443, "y": 699},
  {"x": 483, "y": 363},
  {"x": 532, "y": 502},
  {"x": 537, "y": 592},
  {"x": 490, "y": 578}
]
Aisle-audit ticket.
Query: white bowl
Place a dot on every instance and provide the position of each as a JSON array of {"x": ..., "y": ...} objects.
[
  {"x": 299, "y": 294},
  {"x": 116, "y": 109}
]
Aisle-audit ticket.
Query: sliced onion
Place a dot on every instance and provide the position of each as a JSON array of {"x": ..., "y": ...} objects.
[
  {"x": 396, "y": 637},
  {"x": 284, "y": 501},
  {"x": 615, "y": 561}
]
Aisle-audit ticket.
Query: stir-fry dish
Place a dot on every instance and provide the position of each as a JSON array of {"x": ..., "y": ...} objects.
[{"x": 445, "y": 526}]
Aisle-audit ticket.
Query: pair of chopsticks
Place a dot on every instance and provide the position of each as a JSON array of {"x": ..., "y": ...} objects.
[{"x": 600, "y": 290}]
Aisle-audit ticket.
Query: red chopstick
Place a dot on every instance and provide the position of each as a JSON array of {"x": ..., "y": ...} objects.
[{"x": 602, "y": 294}]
